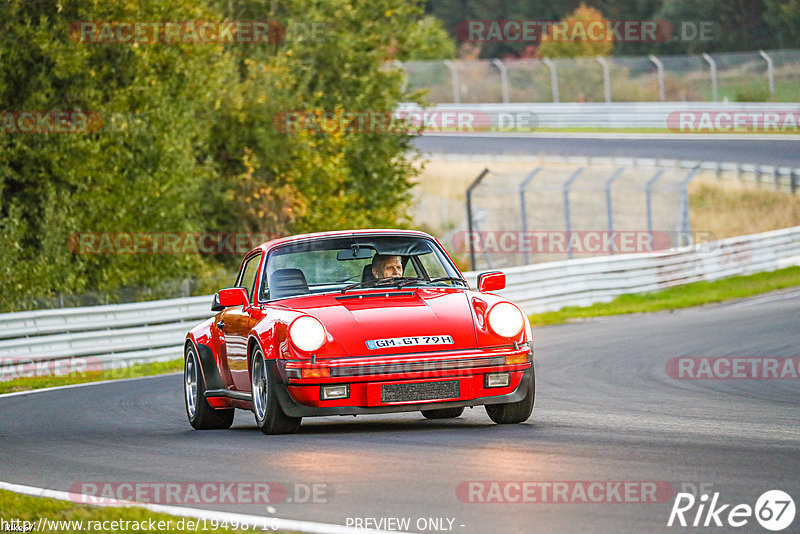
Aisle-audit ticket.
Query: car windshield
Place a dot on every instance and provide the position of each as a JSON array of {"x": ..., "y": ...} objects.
[{"x": 356, "y": 262}]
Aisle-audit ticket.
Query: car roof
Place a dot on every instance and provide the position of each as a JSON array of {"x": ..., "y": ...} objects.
[{"x": 336, "y": 233}]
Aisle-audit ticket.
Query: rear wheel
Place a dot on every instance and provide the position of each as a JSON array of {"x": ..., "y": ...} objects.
[
  {"x": 201, "y": 415},
  {"x": 443, "y": 413},
  {"x": 514, "y": 412},
  {"x": 269, "y": 415}
]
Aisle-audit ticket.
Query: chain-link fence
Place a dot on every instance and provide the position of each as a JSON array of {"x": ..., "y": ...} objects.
[
  {"x": 737, "y": 77},
  {"x": 551, "y": 213}
]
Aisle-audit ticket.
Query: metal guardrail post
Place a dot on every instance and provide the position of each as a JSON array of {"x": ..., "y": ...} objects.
[
  {"x": 523, "y": 209},
  {"x": 553, "y": 78},
  {"x": 606, "y": 77},
  {"x": 770, "y": 74},
  {"x": 713, "y": 65},
  {"x": 649, "y": 196},
  {"x": 684, "y": 226},
  {"x": 472, "y": 186},
  {"x": 454, "y": 80},
  {"x": 567, "y": 220},
  {"x": 609, "y": 203},
  {"x": 662, "y": 92},
  {"x": 794, "y": 177},
  {"x": 503, "y": 78}
]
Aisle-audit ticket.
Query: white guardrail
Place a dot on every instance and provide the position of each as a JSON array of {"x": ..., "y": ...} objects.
[
  {"x": 529, "y": 117},
  {"x": 74, "y": 339}
]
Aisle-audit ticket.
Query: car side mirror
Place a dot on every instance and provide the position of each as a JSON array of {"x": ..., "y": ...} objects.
[
  {"x": 215, "y": 305},
  {"x": 232, "y": 296},
  {"x": 491, "y": 281}
]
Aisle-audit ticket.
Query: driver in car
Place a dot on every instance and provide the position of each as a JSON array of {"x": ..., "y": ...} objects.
[{"x": 385, "y": 266}]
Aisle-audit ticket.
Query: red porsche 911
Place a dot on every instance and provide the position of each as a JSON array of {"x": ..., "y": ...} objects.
[{"x": 357, "y": 322}]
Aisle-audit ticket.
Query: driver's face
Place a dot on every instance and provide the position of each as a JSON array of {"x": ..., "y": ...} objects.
[{"x": 393, "y": 268}]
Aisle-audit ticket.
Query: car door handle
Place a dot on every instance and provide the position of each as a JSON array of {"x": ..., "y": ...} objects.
[{"x": 221, "y": 325}]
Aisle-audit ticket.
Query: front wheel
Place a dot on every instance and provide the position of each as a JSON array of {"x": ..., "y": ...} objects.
[
  {"x": 269, "y": 415},
  {"x": 201, "y": 415},
  {"x": 514, "y": 412}
]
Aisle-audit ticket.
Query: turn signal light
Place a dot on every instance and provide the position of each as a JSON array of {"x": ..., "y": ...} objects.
[
  {"x": 514, "y": 359},
  {"x": 319, "y": 372}
]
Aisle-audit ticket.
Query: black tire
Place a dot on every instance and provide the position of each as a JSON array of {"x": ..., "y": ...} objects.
[
  {"x": 514, "y": 412},
  {"x": 201, "y": 415},
  {"x": 443, "y": 413},
  {"x": 268, "y": 412}
]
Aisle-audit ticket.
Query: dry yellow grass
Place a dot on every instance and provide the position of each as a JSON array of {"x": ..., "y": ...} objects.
[{"x": 729, "y": 208}]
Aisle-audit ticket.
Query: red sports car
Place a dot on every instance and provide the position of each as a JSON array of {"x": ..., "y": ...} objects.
[{"x": 357, "y": 322}]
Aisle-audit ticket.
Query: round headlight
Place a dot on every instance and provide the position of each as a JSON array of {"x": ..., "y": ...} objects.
[
  {"x": 307, "y": 333},
  {"x": 506, "y": 320}
]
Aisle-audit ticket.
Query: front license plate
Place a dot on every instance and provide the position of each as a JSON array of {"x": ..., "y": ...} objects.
[
  {"x": 419, "y": 391},
  {"x": 412, "y": 341}
]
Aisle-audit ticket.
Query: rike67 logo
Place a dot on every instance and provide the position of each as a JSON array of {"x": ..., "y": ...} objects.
[{"x": 774, "y": 510}]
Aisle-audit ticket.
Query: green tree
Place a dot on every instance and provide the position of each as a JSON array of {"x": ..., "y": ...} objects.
[
  {"x": 738, "y": 25},
  {"x": 309, "y": 181},
  {"x": 783, "y": 18},
  {"x": 578, "y": 42},
  {"x": 136, "y": 176}
]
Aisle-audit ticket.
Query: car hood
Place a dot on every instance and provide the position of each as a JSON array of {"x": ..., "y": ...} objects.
[{"x": 357, "y": 317}]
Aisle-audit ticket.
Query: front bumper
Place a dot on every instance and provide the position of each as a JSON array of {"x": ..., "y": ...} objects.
[{"x": 365, "y": 377}]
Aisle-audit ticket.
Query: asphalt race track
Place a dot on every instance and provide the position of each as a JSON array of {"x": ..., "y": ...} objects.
[
  {"x": 724, "y": 149},
  {"x": 606, "y": 411}
]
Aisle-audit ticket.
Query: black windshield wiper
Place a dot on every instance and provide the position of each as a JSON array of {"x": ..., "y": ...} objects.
[
  {"x": 447, "y": 279},
  {"x": 377, "y": 282},
  {"x": 432, "y": 280}
]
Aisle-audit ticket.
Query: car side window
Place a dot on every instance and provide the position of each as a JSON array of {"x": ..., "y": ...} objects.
[{"x": 247, "y": 278}]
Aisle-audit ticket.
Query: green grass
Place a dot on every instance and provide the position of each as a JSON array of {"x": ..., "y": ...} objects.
[
  {"x": 23, "y": 507},
  {"x": 694, "y": 294},
  {"x": 136, "y": 370}
]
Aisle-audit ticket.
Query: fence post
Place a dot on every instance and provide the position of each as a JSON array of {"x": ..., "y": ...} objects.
[
  {"x": 454, "y": 81},
  {"x": 503, "y": 78},
  {"x": 553, "y": 78},
  {"x": 472, "y": 186},
  {"x": 770, "y": 74},
  {"x": 713, "y": 65},
  {"x": 606, "y": 77},
  {"x": 649, "y": 194},
  {"x": 662, "y": 93},
  {"x": 684, "y": 227},
  {"x": 523, "y": 209},
  {"x": 609, "y": 203},
  {"x": 794, "y": 175},
  {"x": 567, "y": 221}
]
